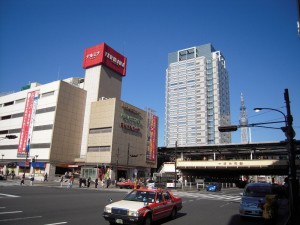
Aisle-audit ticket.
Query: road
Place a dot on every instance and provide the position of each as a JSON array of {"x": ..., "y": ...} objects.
[{"x": 42, "y": 205}]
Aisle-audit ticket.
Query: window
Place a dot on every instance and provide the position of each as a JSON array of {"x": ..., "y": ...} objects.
[
  {"x": 20, "y": 100},
  {"x": 47, "y": 94},
  {"x": 101, "y": 130},
  {"x": 5, "y": 117},
  {"x": 99, "y": 149},
  {"x": 167, "y": 196},
  {"x": 159, "y": 197},
  {"x": 8, "y": 103}
]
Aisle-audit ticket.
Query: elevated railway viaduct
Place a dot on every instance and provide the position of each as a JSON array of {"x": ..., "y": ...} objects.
[{"x": 231, "y": 160}]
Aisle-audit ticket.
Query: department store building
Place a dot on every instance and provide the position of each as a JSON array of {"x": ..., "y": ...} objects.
[{"x": 79, "y": 125}]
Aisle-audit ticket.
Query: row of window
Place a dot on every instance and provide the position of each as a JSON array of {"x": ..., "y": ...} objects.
[
  {"x": 38, "y": 111},
  {"x": 36, "y": 145},
  {"x": 35, "y": 128},
  {"x": 101, "y": 130},
  {"x": 98, "y": 149},
  {"x": 47, "y": 94}
]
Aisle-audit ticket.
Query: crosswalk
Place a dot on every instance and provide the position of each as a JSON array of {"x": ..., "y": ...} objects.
[{"x": 208, "y": 196}]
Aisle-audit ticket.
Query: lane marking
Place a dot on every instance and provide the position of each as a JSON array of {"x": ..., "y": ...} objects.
[
  {"x": 1, "y": 213},
  {"x": 56, "y": 223},
  {"x": 7, "y": 195},
  {"x": 22, "y": 218},
  {"x": 221, "y": 206}
]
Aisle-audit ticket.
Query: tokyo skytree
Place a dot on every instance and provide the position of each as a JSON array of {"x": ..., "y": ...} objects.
[{"x": 244, "y": 122}]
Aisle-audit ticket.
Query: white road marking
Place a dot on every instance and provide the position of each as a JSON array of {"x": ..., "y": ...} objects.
[
  {"x": 56, "y": 223},
  {"x": 22, "y": 218},
  {"x": 11, "y": 196},
  {"x": 199, "y": 196},
  {"x": 1, "y": 213}
]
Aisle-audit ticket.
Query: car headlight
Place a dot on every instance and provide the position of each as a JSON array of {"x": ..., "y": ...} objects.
[
  {"x": 133, "y": 213},
  {"x": 107, "y": 209}
]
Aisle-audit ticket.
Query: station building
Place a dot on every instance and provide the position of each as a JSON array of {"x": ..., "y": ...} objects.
[{"x": 79, "y": 125}]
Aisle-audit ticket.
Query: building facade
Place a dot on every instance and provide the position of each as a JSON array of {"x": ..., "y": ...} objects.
[
  {"x": 122, "y": 137},
  {"x": 78, "y": 123},
  {"x": 197, "y": 97},
  {"x": 54, "y": 134}
]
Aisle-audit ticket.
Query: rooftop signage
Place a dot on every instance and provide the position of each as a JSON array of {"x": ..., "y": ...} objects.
[{"x": 102, "y": 54}]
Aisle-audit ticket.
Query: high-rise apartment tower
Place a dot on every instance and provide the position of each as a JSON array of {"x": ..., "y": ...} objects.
[{"x": 197, "y": 97}]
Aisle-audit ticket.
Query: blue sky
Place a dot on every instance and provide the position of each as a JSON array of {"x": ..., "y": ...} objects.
[{"x": 43, "y": 41}]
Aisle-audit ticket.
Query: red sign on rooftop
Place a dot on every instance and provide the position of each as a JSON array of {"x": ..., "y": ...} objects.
[{"x": 102, "y": 54}]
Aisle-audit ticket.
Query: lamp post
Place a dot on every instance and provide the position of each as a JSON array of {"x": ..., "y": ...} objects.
[
  {"x": 117, "y": 167},
  {"x": 290, "y": 134},
  {"x": 36, "y": 156}
]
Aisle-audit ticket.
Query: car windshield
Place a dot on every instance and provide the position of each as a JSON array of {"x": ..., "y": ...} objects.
[
  {"x": 257, "y": 191},
  {"x": 140, "y": 196}
]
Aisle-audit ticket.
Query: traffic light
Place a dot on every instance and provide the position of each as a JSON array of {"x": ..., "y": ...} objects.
[
  {"x": 33, "y": 159},
  {"x": 228, "y": 128}
]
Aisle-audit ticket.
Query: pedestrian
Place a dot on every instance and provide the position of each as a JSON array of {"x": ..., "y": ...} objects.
[
  {"x": 88, "y": 182},
  {"x": 80, "y": 182},
  {"x": 61, "y": 180},
  {"x": 45, "y": 177},
  {"x": 71, "y": 180},
  {"x": 31, "y": 179},
  {"x": 23, "y": 179},
  {"x": 108, "y": 182},
  {"x": 96, "y": 182}
]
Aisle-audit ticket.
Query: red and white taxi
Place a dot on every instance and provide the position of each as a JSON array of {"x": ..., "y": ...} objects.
[{"x": 143, "y": 206}]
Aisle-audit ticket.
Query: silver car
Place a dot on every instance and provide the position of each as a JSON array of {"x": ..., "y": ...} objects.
[{"x": 253, "y": 198}]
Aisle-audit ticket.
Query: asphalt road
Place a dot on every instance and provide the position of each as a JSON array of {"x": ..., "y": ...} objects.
[{"x": 42, "y": 205}]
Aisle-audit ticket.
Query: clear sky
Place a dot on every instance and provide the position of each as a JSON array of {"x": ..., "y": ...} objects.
[{"x": 44, "y": 40}]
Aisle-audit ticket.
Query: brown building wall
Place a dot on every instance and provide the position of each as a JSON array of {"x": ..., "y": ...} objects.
[
  {"x": 128, "y": 134},
  {"x": 68, "y": 124}
]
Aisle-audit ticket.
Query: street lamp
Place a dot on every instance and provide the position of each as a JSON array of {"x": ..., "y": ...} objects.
[{"x": 290, "y": 134}]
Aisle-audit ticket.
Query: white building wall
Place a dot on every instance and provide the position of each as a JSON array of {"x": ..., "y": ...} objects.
[{"x": 91, "y": 85}]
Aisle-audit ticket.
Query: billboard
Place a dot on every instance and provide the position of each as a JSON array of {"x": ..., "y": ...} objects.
[
  {"x": 152, "y": 125},
  {"x": 27, "y": 124},
  {"x": 102, "y": 54}
]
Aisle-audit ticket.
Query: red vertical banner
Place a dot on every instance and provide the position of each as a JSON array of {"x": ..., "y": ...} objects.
[
  {"x": 27, "y": 124},
  {"x": 152, "y": 137}
]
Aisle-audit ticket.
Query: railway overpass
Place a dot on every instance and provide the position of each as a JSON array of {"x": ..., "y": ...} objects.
[{"x": 231, "y": 160}]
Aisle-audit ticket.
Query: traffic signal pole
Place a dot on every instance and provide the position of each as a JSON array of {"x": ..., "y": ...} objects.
[{"x": 293, "y": 184}]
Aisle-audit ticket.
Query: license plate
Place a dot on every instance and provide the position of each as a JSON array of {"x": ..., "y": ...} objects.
[{"x": 120, "y": 221}]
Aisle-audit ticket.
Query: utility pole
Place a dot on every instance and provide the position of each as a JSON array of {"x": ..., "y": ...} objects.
[
  {"x": 293, "y": 185},
  {"x": 117, "y": 166},
  {"x": 128, "y": 161}
]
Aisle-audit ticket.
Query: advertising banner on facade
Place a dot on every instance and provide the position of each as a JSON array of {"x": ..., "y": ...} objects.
[
  {"x": 27, "y": 124},
  {"x": 102, "y": 54},
  {"x": 152, "y": 137}
]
